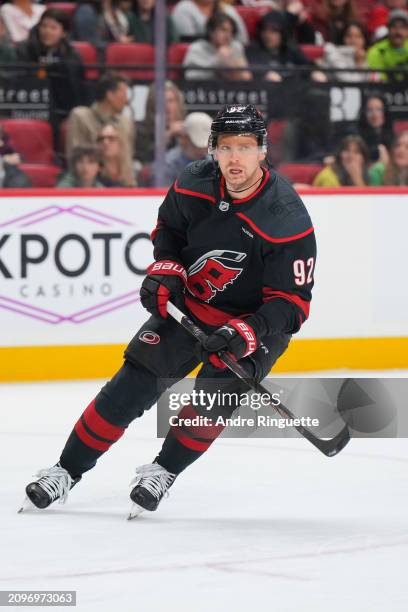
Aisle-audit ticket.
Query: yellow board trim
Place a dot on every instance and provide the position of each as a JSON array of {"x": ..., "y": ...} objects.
[{"x": 27, "y": 363}]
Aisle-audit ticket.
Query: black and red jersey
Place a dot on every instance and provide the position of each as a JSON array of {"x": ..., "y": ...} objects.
[{"x": 243, "y": 257}]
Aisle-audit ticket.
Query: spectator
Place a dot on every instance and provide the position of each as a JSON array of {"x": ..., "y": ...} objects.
[
  {"x": 175, "y": 113},
  {"x": 88, "y": 23},
  {"x": 141, "y": 19},
  {"x": 84, "y": 123},
  {"x": 299, "y": 25},
  {"x": 374, "y": 127},
  {"x": 191, "y": 16},
  {"x": 84, "y": 169},
  {"x": 395, "y": 171},
  {"x": 48, "y": 45},
  {"x": 116, "y": 22},
  {"x": 274, "y": 51},
  {"x": 219, "y": 50},
  {"x": 10, "y": 174},
  {"x": 329, "y": 18},
  {"x": 7, "y": 52},
  {"x": 350, "y": 53},
  {"x": 392, "y": 52},
  {"x": 350, "y": 166},
  {"x": 20, "y": 16},
  {"x": 377, "y": 18},
  {"x": 193, "y": 145},
  {"x": 116, "y": 163}
]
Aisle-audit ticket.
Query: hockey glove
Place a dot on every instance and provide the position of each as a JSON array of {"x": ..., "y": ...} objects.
[
  {"x": 165, "y": 280},
  {"x": 237, "y": 337}
]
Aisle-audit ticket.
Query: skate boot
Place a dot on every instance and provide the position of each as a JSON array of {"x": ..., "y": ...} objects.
[
  {"x": 152, "y": 483},
  {"x": 52, "y": 484}
]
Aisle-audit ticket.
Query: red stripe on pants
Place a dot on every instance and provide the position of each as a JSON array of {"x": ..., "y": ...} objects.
[
  {"x": 100, "y": 426},
  {"x": 84, "y": 436}
]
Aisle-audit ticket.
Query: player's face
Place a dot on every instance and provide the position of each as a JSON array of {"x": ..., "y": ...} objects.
[{"x": 239, "y": 158}]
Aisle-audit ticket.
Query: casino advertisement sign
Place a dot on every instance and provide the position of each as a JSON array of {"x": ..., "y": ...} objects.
[{"x": 71, "y": 268}]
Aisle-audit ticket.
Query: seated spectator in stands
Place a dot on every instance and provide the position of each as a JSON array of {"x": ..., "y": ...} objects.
[
  {"x": 48, "y": 46},
  {"x": 329, "y": 18},
  {"x": 175, "y": 113},
  {"x": 83, "y": 169},
  {"x": 10, "y": 174},
  {"x": 274, "y": 51},
  {"x": 88, "y": 23},
  {"x": 116, "y": 163},
  {"x": 7, "y": 51},
  {"x": 350, "y": 166},
  {"x": 377, "y": 18},
  {"x": 20, "y": 16},
  {"x": 193, "y": 145},
  {"x": 191, "y": 16},
  {"x": 350, "y": 53},
  {"x": 299, "y": 25},
  {"x": 375, "y": 128},
  {"x": 395, "y": 171},
  {"x": 219, "y": 50},
  {"x": 392, "y": 52},
  {"x": 85, "y": 122},
  {"x": 141, "y": 18},
  {"x": 116, "y": 22}
]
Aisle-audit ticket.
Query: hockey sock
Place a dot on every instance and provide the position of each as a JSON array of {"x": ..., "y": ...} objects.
[{"x": 185, "y": 442}]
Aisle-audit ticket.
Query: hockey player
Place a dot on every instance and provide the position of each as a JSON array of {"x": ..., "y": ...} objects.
[{"x": 235, "y": 247}]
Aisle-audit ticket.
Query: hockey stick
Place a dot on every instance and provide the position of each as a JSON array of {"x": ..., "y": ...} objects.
[{"x": 327, "y": 447}]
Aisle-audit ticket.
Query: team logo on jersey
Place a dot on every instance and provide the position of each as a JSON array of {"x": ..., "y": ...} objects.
[
  {"x": 223, "y": 206},
  {"x": 149, "y": 337},
  {"x": 213, "y": 272}
]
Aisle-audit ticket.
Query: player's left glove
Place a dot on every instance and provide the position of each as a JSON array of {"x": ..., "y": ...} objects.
[{"x": 237, "y": 337}]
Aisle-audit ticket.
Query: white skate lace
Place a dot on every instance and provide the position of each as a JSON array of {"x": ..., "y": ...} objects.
[
  {"x": 56, "y": 482},
  {"x": 154, "y": 478}
]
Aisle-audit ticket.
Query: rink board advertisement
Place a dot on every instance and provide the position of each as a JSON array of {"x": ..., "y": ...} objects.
[{"x": 71, "y": 267}]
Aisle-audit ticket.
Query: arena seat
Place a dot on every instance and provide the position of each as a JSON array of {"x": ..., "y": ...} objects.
[
  {"x": 31, "y": 138},
  {"x": 67, "y": 7},
  {"x": 41, "y": 175},
  {"x": 88, "y": 55},
  {"x": 251, "y": 15},
  {"x": 130, "y": 54},
  {"x": 400, "y": 126},
  {"x": 300, "y": 173},
  {"x": 275, "y": 132},
  {"x": 313, "y": 52},
  {"x": 175, "y": 55}
]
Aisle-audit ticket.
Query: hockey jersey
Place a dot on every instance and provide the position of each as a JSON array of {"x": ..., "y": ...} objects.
[{"x": 252, "y": 256}]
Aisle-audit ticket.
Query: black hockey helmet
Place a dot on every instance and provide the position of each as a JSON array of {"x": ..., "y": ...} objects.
[{"x": 238, "y": 119}]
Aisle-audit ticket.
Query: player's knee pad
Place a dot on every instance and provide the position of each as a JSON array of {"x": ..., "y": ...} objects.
[{"x": 128, "y": 394}]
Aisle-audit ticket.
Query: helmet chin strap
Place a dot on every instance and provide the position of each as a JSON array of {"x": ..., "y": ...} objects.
[{"x": 246, "y": 188}]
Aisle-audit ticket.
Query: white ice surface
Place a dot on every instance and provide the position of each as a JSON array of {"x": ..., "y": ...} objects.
[{"x": 254, "y": 525}]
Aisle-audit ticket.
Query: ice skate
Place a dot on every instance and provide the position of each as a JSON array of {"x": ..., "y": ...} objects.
[
  {"x": 53, "y": 484},
  {"x": 152, "y": 483}
]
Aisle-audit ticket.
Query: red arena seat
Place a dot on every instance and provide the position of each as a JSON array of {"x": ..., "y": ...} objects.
[
  {"x": 313, "y": 52},
  {"x": 175, "y": 56},
  {"x": 130, "y": 54},
  {"x": 300, "y": 173},
  {"x": 400, "y": 126},
  {"x": 41, "y": 175},
  {"x": 88, "y": 55},
  {"x": 251, "y": 15},
  {"x": 67, "y": 7},
  {"x": 31, "y": 138},
  {"x": 275, "y": 134}
]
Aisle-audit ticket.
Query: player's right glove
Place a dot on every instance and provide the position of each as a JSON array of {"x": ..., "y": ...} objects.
[{"x": 165, "y": 280}]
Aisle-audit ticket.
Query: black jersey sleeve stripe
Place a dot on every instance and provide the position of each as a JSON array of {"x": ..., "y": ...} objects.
[{"x": 196, "y": 194}]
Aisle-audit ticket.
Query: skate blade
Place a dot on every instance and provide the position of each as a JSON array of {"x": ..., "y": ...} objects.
[
  {"x": 25, "y": 505},
  {"x": 135, "y": 511}
]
